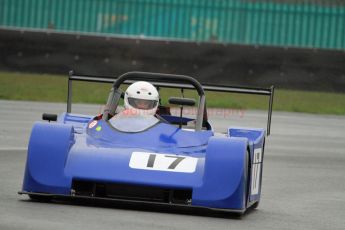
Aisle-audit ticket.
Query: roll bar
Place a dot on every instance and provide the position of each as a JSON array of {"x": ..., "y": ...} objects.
[{"x": 158, "y": 77}]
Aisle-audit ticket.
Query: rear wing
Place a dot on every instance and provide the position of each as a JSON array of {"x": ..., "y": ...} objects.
[{"x": 269, "y": 92}]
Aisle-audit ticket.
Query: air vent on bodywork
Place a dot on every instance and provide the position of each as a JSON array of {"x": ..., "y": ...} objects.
[{"x": 131, "y": 192}]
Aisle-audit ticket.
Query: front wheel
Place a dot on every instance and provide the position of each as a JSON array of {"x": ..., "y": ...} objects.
[{"x": 40, "y": 198}]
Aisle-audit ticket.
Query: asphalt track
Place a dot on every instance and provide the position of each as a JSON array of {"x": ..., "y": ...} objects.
[{"x": 303, "y": 182}]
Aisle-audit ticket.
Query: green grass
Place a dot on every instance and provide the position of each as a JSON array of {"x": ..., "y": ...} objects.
[{"x": 53, "y": 88}]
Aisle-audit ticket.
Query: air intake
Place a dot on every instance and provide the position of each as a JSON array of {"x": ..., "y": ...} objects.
[{"x": 131, "y": 192}]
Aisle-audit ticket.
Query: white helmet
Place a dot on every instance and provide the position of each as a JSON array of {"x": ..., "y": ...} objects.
[{"x": 141, "y": 98}]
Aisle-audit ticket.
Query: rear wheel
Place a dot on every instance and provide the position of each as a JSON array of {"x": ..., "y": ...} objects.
[{"x": 256, "y": 204}]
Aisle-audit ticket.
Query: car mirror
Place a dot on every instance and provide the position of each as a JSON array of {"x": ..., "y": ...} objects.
[
  {"x": 181, "y": 101},
  {"x": 49, "y": 117}
]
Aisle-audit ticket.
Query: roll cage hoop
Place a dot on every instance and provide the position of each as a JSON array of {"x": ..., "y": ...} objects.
[{"x": 115, "y": 93}]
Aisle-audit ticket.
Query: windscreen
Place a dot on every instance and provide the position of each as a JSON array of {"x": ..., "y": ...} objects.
[{"x": 133, "y": 124}]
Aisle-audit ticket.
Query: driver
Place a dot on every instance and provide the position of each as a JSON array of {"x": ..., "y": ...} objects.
[
  {"x": 141, "y": 103},
  {"x": 141, "y": 99}
]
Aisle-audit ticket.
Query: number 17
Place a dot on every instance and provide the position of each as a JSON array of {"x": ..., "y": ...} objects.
[{"x": 173, "y": 165}]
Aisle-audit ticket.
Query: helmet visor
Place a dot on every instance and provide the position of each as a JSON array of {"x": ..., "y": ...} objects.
[{"x": 142, "y": 103}]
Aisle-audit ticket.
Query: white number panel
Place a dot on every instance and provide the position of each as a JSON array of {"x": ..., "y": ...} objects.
[
  {"x": 163, "y": 162},
  {"x": 256, "y": 171}
]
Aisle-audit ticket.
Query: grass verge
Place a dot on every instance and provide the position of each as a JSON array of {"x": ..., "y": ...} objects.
[{"x": 53, "y": 88}]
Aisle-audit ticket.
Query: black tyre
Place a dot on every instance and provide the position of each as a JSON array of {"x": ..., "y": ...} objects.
[
  {"x": 40, "y": 198},
  {"x": 256, "y": 205}
]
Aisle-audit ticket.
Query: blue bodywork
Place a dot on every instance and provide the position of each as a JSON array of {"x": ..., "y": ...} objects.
[{"x": 227, "y": 174}]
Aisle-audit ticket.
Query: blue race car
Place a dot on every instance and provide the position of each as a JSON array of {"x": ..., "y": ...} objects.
[{"x": 175, "y": 160}]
